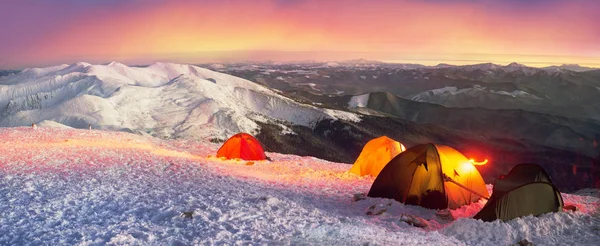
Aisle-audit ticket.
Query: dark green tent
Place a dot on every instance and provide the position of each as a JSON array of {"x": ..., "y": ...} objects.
[
  {"x": 432, "y": 176},
  {"x": 525, "y": 190}
]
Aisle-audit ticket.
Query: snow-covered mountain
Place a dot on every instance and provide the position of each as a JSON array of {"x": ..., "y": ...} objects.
[
  {"x": 571, "y": 67},
  {"x": 452, "y": 96},
  {"x": 510, "y": 68},
  {"x": 163, "y": 99},
  {"x": 560, "y": 92}
]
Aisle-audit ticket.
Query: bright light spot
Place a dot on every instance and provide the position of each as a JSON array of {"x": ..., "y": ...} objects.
[{"x": 478, "y": 163}]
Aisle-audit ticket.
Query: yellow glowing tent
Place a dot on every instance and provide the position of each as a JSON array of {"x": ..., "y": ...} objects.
[
  {"x": 375, "y": 155},
  {"x": 432, "y": 176}
]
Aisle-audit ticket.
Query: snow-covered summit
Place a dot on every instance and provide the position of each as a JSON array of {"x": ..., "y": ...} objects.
[
  {"x": 514, "y": 64},
  {"x": 164, "y": 99}
]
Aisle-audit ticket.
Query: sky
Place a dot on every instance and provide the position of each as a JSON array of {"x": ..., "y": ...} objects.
[{"x": 532, "y": 32}]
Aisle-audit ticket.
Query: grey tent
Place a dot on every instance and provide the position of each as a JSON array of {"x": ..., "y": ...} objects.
[{"x": 525, "y": 190}]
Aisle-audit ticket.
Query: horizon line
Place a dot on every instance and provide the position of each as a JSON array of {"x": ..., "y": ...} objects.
[
  {"x": 291, "y": 56},
  {"x": 431, "y": 62}
]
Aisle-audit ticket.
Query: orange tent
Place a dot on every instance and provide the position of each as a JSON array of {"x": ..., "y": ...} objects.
[
  {"x": 375, "y": 155},
  {"x": 243, "y": 146},
  {"x": 432, "y": 176}
]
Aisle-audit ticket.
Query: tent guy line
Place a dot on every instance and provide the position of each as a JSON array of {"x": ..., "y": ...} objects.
[{"x": 448, "y": 179}]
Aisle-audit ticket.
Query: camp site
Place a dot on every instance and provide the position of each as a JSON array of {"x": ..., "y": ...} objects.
[
  {"x": 91, "y": 183},
  {"x": 300, "y": 122}
]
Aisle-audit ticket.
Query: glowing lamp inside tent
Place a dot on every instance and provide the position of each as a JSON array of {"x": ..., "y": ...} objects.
[{"x": 478, "y": 163}]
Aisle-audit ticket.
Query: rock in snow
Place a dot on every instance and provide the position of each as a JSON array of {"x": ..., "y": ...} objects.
[{"x": 90, "y": 187}]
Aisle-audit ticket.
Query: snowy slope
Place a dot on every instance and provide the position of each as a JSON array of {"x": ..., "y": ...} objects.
[
  {"x": 65, "y": 186},
  {"x": 164, "y": 99},
  {"x": 450, "y": 92},
  {"x": 571, "y": 67},
  {"x": 359, "y": 101}
]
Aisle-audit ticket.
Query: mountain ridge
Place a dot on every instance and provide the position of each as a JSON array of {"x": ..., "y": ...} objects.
[{"x": 80, "y": 94}]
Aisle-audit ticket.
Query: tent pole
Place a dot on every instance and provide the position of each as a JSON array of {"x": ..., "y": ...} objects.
[{"x": 446, "y": 178}]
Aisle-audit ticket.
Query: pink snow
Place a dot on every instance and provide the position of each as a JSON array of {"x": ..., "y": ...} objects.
[{"x": 68, "y": 152}]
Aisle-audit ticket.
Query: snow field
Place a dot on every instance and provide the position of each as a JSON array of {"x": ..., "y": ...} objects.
[
  {"x": 82, "y": 187},
  {"x": 359, "y": 101}
]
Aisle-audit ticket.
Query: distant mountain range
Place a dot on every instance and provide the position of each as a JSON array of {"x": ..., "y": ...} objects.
[
  {"x": 572, "y": 67},
  {"x": 552, "y": 91},
  {"x": 484, "y": 66},
  {"x": 364, "y": 62}
]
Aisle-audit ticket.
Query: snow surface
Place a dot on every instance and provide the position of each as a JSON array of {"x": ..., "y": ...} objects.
[
  {"x": 90, "y": 187},
  {"x": 359, "y": 101},
  {"x": 313, "y": 86},
  {"x": 164, "y": 99},
  {"x": 516, "y": 93},
  {"x": 49, "y": 123},
  {"x": 451, "y": 91}
]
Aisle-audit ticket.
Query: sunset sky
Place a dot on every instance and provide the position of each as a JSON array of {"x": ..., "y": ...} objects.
[{"x": 532, "y": 32}]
